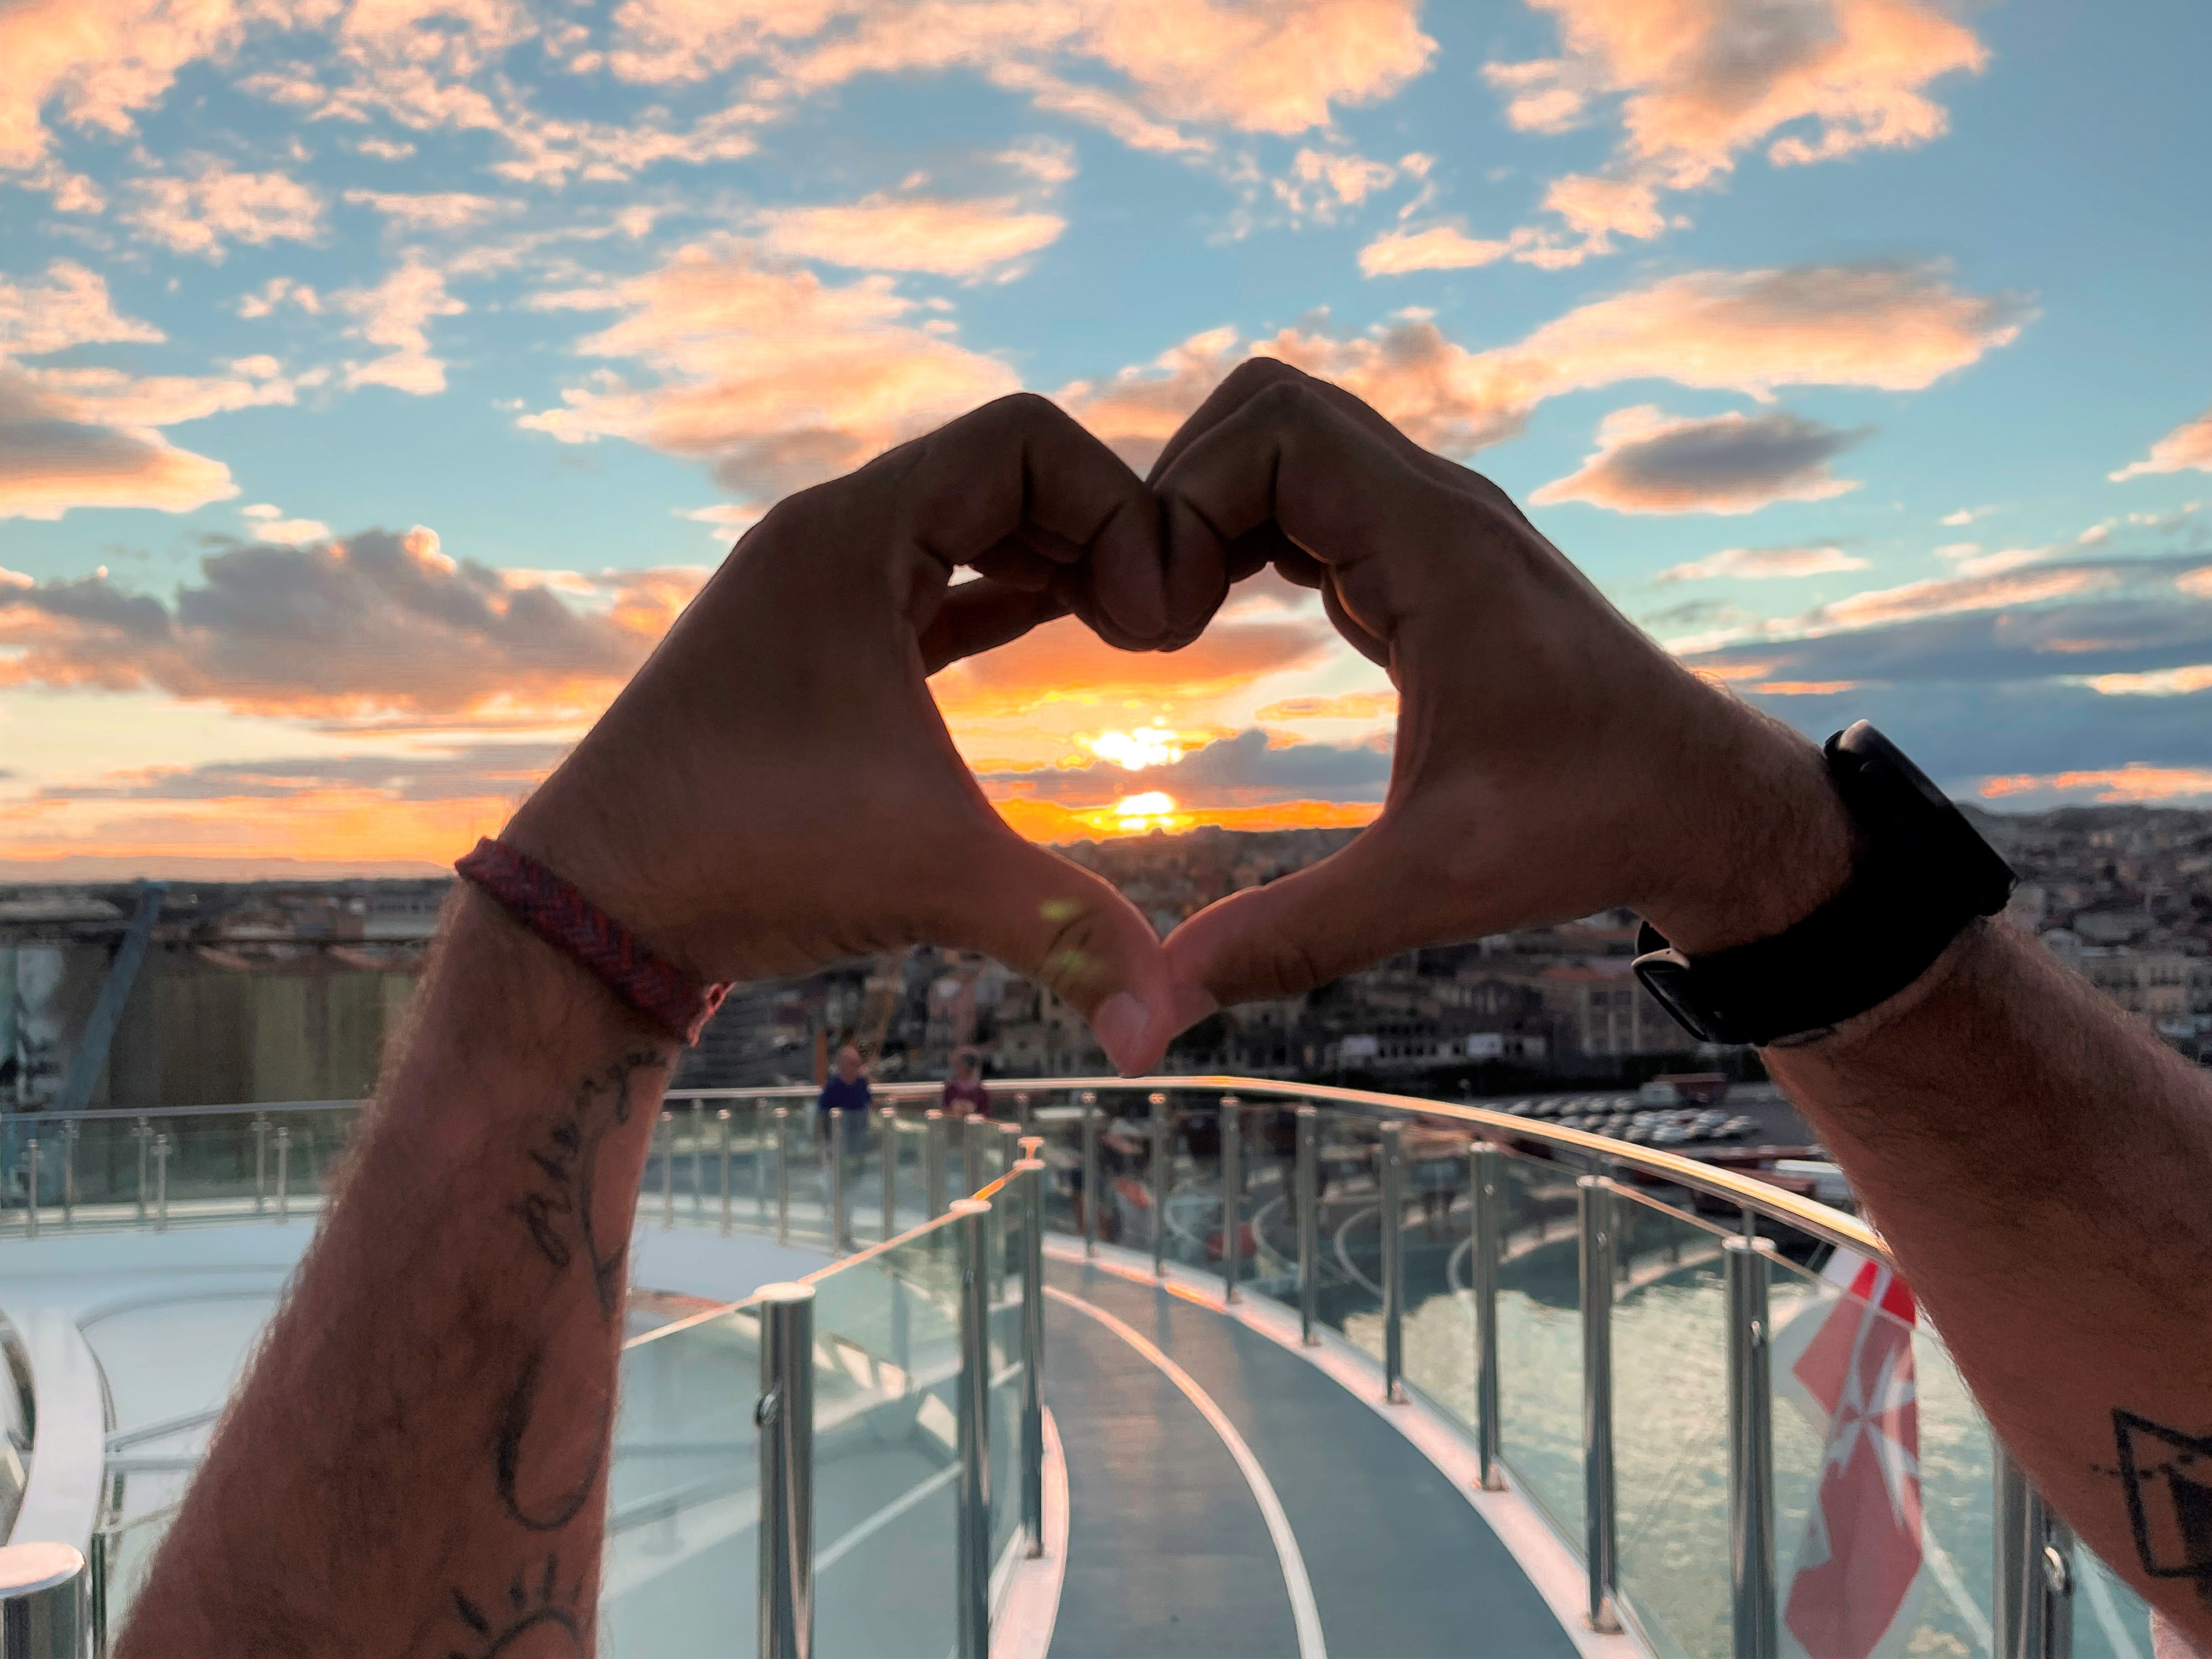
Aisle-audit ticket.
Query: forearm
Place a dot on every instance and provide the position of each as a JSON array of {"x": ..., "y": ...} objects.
[
  {"x": 417, "y": 1462},
  {"x": 2037, "y": 1164}
]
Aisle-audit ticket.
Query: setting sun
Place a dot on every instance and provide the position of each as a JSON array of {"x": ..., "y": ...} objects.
[{"x": 1132, "y": 751}]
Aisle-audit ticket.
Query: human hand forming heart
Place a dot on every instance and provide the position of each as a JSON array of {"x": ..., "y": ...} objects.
[{"x": 775, "y": 789}]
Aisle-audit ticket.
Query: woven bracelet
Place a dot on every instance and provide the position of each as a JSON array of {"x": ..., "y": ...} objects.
[{"x": 554, "y": 910}]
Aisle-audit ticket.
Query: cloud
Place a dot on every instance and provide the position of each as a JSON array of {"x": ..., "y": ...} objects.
[
  {"x": 95, "y": 63},
  {"x": 1699, "y": 82},
  {"x": 396, "y": 313},
  {"x": 1439, "y": 247},
  {"x": 1763, "y": 564},
  {"x": 1321, "y": 183},
  {"x": 450, "y": 209},
  {"x": 199, "y": 213},
  {"x": 277, "y": 292},
  {"x": 1349, "y": 706},
  {"x": 1278, "y": 66},
  {"x": 1064, "y": 662},
  {"x": 2189, "y": 445},
  {"x": 2110, "y": 785},
  {"x": 1895, "y": 327},
  {"x": 912, "y": 233},
  {"x": 1648, "y": 461},
  {"x": 356, "y": 630},
  {"x": 1244, "y": 770},
  {"x": 70, "y": 308},
  {"x": 438, "y": 773},
  {"x": 267, "y": 523},
  {"x": 771, "y": 375},
  {"x": 51, "y": 461}
]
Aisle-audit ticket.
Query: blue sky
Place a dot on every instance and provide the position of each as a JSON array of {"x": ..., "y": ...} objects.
[{"x": 377, "y": 377}]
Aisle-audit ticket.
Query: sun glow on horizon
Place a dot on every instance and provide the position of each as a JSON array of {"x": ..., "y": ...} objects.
[{"x": 1132, "y": 751}]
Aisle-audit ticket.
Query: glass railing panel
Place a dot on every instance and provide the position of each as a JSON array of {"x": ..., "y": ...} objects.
[
  {"x": 1056, "y": 1118},
  {"x": 1540, "y": 1343},
  {"x": 1348, "y": 1253},
  {"x": 1007, "y": 1444},
  {"x": 886, "y": 1476},
  {"x": 684, "y": 1503},
  {"x": 2111, "y": 1621},
  {"x": 1882, "y": 1470},
  {"x": 1670, "y": 1402}
]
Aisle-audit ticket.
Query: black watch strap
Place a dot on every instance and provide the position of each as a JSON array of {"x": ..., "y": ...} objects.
[{"x": 1920, "y": 876}]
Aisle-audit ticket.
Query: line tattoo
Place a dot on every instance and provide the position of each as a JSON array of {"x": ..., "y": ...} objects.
[
  {"x": 2166, "y": 1476},
  {"x": 534, "y": 1604},
  {"x": 552, "y": 1501},
  {"x": 558, "y": 1212}
]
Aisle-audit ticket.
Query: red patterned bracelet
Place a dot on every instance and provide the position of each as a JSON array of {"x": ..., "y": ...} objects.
[{"x": 554, "y": 910}]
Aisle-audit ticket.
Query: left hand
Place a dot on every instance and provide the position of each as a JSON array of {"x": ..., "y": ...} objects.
[{"x": 775, "y": 789}]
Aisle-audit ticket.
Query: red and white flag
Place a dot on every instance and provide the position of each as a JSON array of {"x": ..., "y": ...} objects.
[{"x": 1848, "y": 1366}]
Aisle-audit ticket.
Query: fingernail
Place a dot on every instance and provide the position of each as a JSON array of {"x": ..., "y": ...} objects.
[{"x": 1119, "y": 1023}]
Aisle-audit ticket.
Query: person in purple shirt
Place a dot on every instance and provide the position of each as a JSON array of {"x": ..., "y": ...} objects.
[
  {"x": 964, "y": 1093},
  {"x": 847, "y": 1090}
]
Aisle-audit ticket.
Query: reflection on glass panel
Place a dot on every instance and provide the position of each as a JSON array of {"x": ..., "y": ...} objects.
[
  {"x": 1882, "y": 1471},
  {"x": 1670, "y": 1430},
  {"x": 1006, "y": 1443},
  {"x": 887, "y": 1363},
  {"x": 1439, "y": 1326},
  {"x": 1540, "y": 1342},
  {"x": 684, "y": 1503},
  {"x": 1349, "y": 1260},
  {"x": 2111, "y": 1621}
]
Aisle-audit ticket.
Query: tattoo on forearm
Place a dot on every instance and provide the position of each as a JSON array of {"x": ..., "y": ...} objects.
[
  {"x": 560, "y": 1212},
  {"x": 535, "y": 1606},
  {"x": 2166, "y": 1476},
  {"x": 546, "y": 1478}
]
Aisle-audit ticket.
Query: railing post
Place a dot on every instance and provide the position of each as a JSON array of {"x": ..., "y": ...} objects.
[
  {"x": 45, "y": 1602},
  {"x": 143, "y": 1134},
  {"x": 260, "y": 1163},
  {"x": 784, "y": 1416},
  {"x": 1308, "y": 1177},
  {"x": 972, "y": 1436},
  {"x": 1486, "y": 1187},
  {"x": 1021, "y": 1117},
  {"x": 1010, "y": 1152},
  {"x": 783, "y": 1175},
  {"x": 839, "y": 1231},
  {"x": 698, "y": 1158},
  {"x": 667, "y": 1139},
  {"x": 162, "y": 1179},
  {"x": 1751, "y": 1450},
  {"x": 1090, "y": 1189},
  {"x": 935, "y": 1130},
  {"x": 2034, "y": 1602},
  {"x": 1393, "y": 1220},
  {"x": 763, "y": 1120},
  {"x": 1032, "y": 1167},
  {"x": 975, "y": 1136},
  {"x": 284, "y": 1174},
  {"x": 723, "y": 1118},
  {"x": 1163, "y": 1139},
  {"x": 30, "y": 1167},
  {"x": 1594, "y": 1199},
  {"x": 69, "y": 1130},
  {"x": 1232, "y": 1192},
  {"x": 887, "y": 1129}
]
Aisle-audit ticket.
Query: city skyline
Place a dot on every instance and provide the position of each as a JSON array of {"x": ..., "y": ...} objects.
[{"x": 378, "y": 377}]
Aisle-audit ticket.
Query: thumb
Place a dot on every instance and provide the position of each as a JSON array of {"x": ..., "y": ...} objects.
[
  {"x": 1067, "y": 928},
  {"x": 1360, "y": 904}
]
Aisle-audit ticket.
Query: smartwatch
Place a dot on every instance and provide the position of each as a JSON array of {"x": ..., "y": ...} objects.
[{"x": 1920, "y": 873}]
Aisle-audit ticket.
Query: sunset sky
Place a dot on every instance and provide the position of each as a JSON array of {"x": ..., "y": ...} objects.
[{"x": 378, "y": 377}]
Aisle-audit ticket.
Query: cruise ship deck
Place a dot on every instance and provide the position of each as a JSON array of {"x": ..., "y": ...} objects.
[{"x": 1167, "y": 1386}]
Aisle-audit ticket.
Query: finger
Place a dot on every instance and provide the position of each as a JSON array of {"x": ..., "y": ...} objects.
[
  {"x": 1021, "y": 462},
  {"x": 1253, "y": 375},
  {"x": 1070, "y": 930},
  {"x": 981, "y": 616},
  {"x": 1354, "y": 908}
]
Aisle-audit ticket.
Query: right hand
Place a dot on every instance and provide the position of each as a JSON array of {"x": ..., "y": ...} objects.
[{"x": 1551, "y": 760}]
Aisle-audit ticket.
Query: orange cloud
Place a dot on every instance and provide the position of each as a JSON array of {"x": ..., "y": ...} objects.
[
  {"x": 70, "y": 308},
  {"x": 1063, "y": 662},
  {"x": 2189, "y": 445},
  {"x": 1438, "y": 247},
  {"x": 1351, "y": 706},
  {"x": 2133, "y": 782},
  {"x": 1806, "y": 688},
  {"x": 1764, "y": 563},
  {"x": 772, "y": 375},
  {"x": 1946, "y": 597},
  {"x": 199, "y": 213},
  {"x": 912, "y": 233},
  {"x": 1051, "y": 822},
  {"x": 97, "y": 63},
  {"x": 51, "y": 462},
  {"x": 395, "y": 314},
  {"x": 450, "y": 209}
]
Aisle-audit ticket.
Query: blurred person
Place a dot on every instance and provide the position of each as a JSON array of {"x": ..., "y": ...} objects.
[
  {"x": 847, "y": 1089},
  {"x": 428, "y": 1420},
  {"x": 965, "y": 1095}
]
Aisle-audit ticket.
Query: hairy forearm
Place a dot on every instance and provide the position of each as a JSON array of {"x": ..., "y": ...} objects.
[
  {"x": 416, "y": 1462},
  {"x": 2037, "y": 1164}
]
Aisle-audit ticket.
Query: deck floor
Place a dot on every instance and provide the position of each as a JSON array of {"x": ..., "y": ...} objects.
[{"x": 1168, "y": 1552}]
